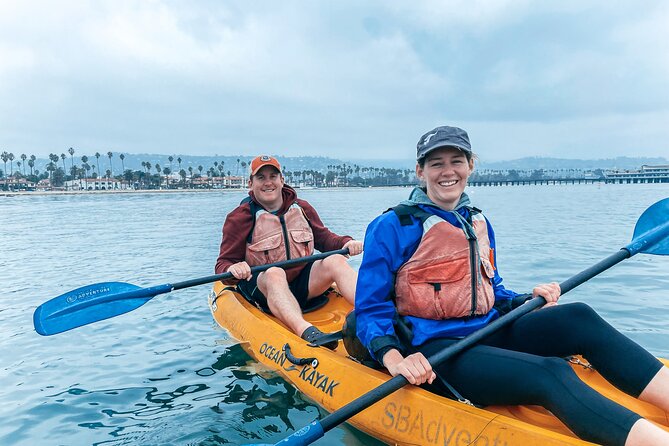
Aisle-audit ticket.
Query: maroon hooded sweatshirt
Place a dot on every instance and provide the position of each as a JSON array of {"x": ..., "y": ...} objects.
[{"x": 239, "y": 222}]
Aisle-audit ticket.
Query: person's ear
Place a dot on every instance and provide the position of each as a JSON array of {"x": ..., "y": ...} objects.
[{"x": 419, "y": 172}]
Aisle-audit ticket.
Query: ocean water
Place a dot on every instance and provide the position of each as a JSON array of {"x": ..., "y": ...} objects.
[{"x": 167, "y": 374}]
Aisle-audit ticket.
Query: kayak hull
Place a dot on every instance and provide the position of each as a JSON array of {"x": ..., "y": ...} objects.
[{"x": 410, "y": 416}]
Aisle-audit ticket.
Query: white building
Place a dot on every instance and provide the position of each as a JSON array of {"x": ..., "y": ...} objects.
[{"x": 96, "y": 184}]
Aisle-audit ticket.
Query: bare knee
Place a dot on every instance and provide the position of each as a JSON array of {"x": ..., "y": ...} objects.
[
  {"x": 272, "y": 278},
  {"x": 335, "y": 262}
]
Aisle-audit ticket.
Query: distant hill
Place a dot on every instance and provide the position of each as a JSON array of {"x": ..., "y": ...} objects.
[
  {"x": 531, "y": 163},
  {"x": 320, "y": 163},
  {"x": 134, "y": 161}
]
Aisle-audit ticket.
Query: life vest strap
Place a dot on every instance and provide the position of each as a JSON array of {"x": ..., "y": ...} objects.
[{"x": 405, "y": 212}]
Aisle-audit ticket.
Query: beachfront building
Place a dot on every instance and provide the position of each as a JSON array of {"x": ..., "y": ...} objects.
[
  {"x": 43, "y": 185},
  {"x": 647, "y": 174},
  {"x": 16, "y": 184},
  {"x": 96, "y": 184},
  {"x": 232, "y": 182},
  {"x": 227, "y": 182}
]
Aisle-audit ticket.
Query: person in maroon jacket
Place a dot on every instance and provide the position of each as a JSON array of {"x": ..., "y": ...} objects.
[{"x": 271, "y": 225}]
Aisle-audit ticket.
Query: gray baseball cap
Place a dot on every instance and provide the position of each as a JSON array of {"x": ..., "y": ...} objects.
[{"x": 443, "y": 136}]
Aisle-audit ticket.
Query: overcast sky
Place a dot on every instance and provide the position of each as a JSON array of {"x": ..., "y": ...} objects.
[{"x": 348, "y": 79}]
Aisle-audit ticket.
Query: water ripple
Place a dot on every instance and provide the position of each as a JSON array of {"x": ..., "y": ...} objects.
[{"x": 166, "y": 374}]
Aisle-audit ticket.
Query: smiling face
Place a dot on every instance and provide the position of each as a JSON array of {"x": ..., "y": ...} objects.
[
  {"x": 266, "y": 185},
  {"x": 445, "y": 173}
]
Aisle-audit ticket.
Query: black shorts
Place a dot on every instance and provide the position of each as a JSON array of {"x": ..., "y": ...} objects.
[{"x": 299, "y": 287}]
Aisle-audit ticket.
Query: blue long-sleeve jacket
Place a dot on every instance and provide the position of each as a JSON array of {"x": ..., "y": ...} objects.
[{"x": 388, "y": 245}]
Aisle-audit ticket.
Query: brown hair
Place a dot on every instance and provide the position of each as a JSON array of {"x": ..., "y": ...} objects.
[{"x": 471, "y": 157}]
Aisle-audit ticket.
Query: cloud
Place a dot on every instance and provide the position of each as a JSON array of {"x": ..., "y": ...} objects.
[{"x": 346, "y": 79}]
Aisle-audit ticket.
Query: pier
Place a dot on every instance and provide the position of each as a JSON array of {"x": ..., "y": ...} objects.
[{"x": 646, "y": 174}]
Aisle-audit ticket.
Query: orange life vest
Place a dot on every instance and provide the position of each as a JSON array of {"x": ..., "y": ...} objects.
[
  {"x": 267, "y": 241},
  {"x": 449, "y": 275}
]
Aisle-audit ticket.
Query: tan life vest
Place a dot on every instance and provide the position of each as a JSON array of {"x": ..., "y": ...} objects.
[
  {"x": 438, "y": 281},
  {"x": 267, "y": 241}
]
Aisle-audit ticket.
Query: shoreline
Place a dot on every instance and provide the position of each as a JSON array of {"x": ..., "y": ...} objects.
[
  {"x": 231, "y": 190},
  {"x": 118, "y": 191},
  {"x": 170, "y": 191}
]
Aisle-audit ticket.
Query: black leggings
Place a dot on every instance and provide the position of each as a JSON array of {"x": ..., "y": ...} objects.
[{"x": 522, "y": 364}]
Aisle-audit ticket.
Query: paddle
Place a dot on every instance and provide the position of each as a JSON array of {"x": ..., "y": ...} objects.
[
  {"x": 104, "y": 300},
  {"x": 651, "y": 236}
]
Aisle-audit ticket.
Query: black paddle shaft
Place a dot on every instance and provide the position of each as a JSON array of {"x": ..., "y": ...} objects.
[
  {"x": 257, "y": 269},
  {"x": 339, "y": 416}
]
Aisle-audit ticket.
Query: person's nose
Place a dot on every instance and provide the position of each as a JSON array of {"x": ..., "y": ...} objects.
[{"x": 447, "y": 170}]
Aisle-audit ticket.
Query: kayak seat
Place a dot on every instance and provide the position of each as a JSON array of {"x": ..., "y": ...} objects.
[{"x": 315, "y": 303}]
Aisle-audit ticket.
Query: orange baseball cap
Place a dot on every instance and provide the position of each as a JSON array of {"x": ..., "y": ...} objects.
[{"x": 264, "y": 160}]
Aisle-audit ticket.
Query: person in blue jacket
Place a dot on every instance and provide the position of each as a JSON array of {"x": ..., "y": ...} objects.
[{"x": 430, "y": 266}]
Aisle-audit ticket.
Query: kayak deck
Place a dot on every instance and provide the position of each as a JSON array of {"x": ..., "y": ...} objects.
[{"x": 409, "y": 416}]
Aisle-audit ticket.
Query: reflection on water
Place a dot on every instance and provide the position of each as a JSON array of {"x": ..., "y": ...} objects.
[
  {"x": 239, "y": 406},
  {"x": 166, "y": 374}
]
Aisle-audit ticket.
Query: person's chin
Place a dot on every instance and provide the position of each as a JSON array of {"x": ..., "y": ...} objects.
[{"x": 270, "y": 197}]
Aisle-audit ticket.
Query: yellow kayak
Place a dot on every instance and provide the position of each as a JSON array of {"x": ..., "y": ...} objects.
[{"x": 410, "y": 416}]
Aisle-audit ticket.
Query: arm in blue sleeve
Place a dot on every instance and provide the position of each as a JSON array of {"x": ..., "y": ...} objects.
[{"x": 385, "y": 251}]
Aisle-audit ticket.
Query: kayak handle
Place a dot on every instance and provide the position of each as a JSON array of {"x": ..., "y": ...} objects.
[{"x": 313, "y": 362}]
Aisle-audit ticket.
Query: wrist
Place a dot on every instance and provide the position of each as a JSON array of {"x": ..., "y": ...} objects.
[{"x": 392, "y": 357}]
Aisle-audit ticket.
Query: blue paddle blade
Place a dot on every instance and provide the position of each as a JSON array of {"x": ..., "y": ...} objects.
[
  {"x": 90, "y": 304},
  {"x": 305, "y": 436},
  {"x": 651, "y": 233}
]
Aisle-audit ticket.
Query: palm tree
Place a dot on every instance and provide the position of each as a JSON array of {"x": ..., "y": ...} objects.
[
  {"x": 94, "y": 174},
  {"x": 97, "y": 157},
  {"x": 190, "y": 170},
  {"x": 63, "y": 156},
  {"x": 237, "y": 166},
  {"x": 243, "y": 165},
  {"x": 122, "y": 156},
  {"x": 71, "y": 152},
  {"x": 11, "y": 163},
  {"x": 84, "y": 164},
  {"x": 200, "y": 169},
  {"x": 159, "y": 179},
  {"x": 210, "y": 176},
  {"x": 109, "y": 154},
  {"x": 31, "y": 164},
  {"x": 51, "y": 167},
  {"x": 170, "y": 159},
  {"x": 167, "y": 171},
  {"x": 179, "y": 161},
  {"x": 5, "y": 158},
  {"x": 23, "y": 158}
]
